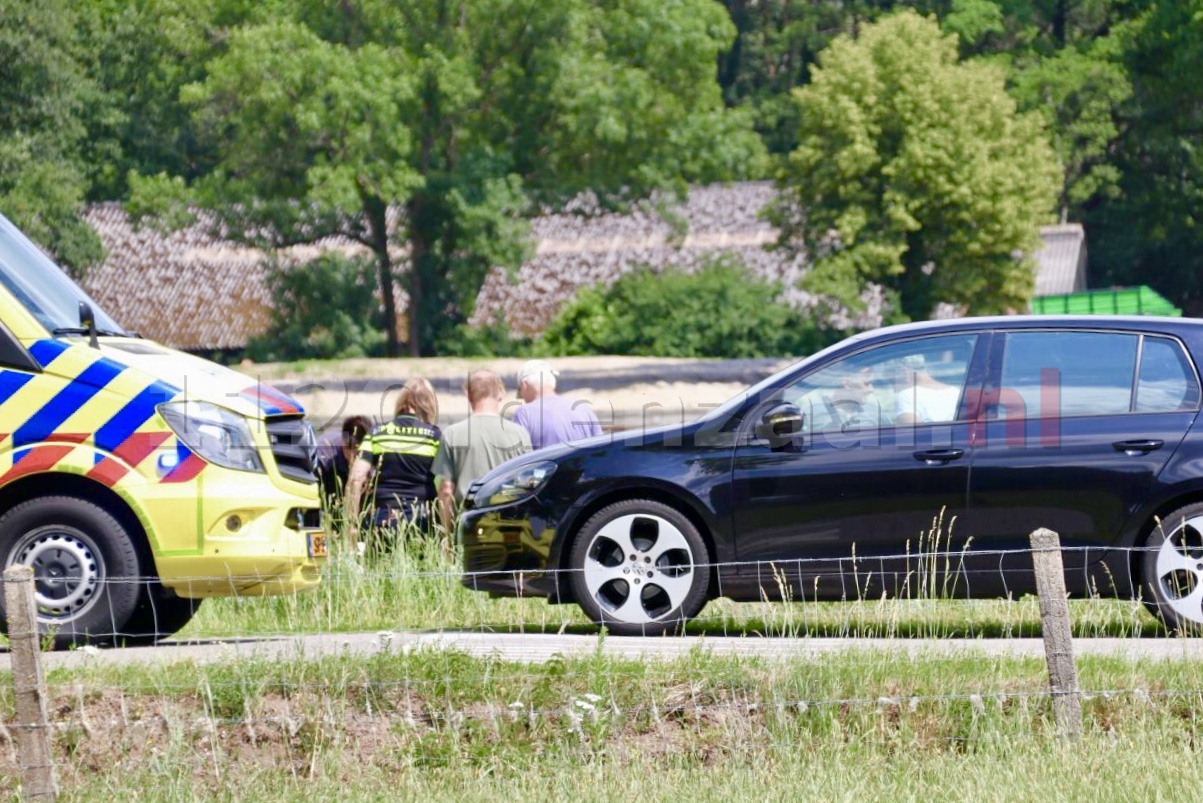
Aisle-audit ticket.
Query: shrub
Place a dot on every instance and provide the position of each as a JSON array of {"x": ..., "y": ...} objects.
[
  {"x": 720, "y": 310},
  {"x": 324, "y": 309},
  {"x": 490, "y": 340}
]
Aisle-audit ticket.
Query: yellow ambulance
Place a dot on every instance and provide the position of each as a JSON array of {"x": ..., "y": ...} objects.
[{"x": 134, "y": 479}]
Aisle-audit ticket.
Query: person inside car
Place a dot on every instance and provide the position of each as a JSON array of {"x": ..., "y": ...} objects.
[{"x": 920, "y": 398}]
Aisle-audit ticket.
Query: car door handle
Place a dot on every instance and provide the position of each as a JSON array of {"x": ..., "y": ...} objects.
[
  {"x": 1135, "y": 447},
  {"x": 938, "y": 457}
]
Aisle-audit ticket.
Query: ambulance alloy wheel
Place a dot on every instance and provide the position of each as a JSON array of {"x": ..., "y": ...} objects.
[
  {"x": 640, "y": 568},
  {"x": 85, "y": 565}
]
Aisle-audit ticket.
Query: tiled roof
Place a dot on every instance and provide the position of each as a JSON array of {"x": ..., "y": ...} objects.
[
  {"x": 187, "y": 289},
  {"x": 191, "y": 290},
  {"x": 575, "y": 251}
]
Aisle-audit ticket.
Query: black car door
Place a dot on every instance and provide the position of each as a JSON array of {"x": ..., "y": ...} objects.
[
  {"x": 882, "y": 457},
  {"x": 1077, "y": 426}
]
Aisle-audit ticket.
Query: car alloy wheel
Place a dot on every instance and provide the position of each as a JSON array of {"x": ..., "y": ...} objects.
[
  {"x": 1173, "y": 575},
  {"x": 640, "y": 568}
]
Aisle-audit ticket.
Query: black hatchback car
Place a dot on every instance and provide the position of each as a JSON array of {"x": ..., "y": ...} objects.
[{"x": 822, "y": 481}]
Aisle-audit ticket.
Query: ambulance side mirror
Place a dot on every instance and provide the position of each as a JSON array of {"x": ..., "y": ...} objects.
[{"x": 87, "y": 320}]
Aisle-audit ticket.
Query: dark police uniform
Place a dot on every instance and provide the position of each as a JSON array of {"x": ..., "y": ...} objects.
[{"x": 402, "y": 451}]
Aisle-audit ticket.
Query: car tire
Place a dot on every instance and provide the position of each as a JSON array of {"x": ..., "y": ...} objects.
[
  {"x": 86, "y": 568},
  {"x": 639, "y": 568},
  {"x": 160, "y": 614},
  {"x": 1172, "y": 570}
]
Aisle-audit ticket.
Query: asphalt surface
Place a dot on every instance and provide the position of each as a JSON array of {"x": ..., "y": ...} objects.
[{"x": 536, "y": 648}]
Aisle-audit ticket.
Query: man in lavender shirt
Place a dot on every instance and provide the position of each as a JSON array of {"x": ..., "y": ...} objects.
[{"x": 548, "y": 417}]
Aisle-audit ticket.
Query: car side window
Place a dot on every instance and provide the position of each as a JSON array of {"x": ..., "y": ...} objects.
[
  {"x": 1167, "y": 382},
  {"x": 1073, "y": 373},
  {"x": 914, "y": 381}
]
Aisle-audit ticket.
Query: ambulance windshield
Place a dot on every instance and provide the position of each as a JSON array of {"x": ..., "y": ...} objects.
[{"x": 39, "y": 284}]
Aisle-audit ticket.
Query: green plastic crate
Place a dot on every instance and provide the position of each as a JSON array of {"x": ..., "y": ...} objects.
[{"x": 1143, "y": 300}]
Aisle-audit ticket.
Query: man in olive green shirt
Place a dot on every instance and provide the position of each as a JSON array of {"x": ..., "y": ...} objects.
[{"x": 471, "y": 448}]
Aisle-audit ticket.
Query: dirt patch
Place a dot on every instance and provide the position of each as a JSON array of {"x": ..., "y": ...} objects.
[
  {"x": 641, "y": 404},
  {"x": 624, "y": 392},
  {"x": 446, "y": 366},
  {"x": 111, "y": 733}
]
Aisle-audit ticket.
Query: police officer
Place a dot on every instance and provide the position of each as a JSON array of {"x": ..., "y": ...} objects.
[{"x": 402, "y": 453}]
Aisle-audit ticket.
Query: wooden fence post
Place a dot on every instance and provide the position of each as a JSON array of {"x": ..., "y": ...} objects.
[
  {"x": 33, "y": 724},
  {"x": 1058, "y": 637}
]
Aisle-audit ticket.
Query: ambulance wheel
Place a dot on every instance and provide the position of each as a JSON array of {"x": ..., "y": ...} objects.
[{"x": 85, "y": 564}]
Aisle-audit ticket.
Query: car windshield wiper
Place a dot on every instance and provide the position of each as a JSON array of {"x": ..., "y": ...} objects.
[{"x": 83, "y": 332}]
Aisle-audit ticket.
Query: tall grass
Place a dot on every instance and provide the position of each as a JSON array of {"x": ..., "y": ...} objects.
[
  {"x": 440, "y": 725},
  {"x": 416, "y": 586}
]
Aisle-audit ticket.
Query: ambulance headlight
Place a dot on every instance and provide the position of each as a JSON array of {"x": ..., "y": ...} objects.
[{"x": 220, "y": 436}]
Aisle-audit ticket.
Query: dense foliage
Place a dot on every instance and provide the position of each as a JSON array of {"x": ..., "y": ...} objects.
[
  {"x": 720, "y": 310},
  {"x": 48, "y": 102},
  {"x": 295, "y": 120},
  {"x": 462, "y": 115},
  {"x": 324, "y": 310}
]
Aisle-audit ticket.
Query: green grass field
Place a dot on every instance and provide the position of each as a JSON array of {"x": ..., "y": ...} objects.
[{"x": 435, "y": 724}]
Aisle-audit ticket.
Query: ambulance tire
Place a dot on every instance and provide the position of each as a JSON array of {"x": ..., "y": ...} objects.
[
  {"x": 86, "y": 568},
  {"x": 160, "y": 614}
]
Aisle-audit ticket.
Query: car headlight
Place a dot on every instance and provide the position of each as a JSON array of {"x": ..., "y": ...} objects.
[
  {"x": 523, "y": 483},
  {"x": 220, "y": 436}
]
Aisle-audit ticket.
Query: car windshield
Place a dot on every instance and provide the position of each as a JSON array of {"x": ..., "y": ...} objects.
[{"x": 45, "y": 290}]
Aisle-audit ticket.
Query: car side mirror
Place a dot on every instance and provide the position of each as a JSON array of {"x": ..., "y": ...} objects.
[{"x": 779, "y": 424}]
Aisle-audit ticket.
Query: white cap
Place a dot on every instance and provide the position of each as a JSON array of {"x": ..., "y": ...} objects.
[{"x": 535, "y": 368}]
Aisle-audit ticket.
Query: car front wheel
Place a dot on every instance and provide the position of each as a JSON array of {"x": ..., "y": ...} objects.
[
  {"x": 640, "y": 568},
  {"x": 1173, "y": 570}
]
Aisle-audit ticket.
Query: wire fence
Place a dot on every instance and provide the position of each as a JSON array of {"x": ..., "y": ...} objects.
[
  {"x": 421, "y": 586},
  {"x": 420, "y": 699}
]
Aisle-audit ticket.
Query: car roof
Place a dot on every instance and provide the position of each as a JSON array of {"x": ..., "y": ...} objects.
[{"x": 1137, "y": 323}]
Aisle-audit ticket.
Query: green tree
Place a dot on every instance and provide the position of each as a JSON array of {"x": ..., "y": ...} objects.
[
  {"x": 464, "y": 115},
  {"x": 650, "y": 313},
  {"x": 45, "y": 98},
  {"x": 326, "y": 309},
  {"x": 312, "y": 141},
  {"x": 1065, "y": 60},
  {"x": 915, "y": 172},
  {"x": 776, "y": 44},
  {"x": 1081, "y": 91},
  {"x": 142, "y": 53},
  {"x": 1152, "y": 232}
]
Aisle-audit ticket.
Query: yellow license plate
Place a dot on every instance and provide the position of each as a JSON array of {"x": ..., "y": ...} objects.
[{"x": 317, "y": 545}]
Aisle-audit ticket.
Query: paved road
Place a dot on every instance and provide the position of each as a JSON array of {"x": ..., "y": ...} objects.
[{"x": 534, "y": 648}]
